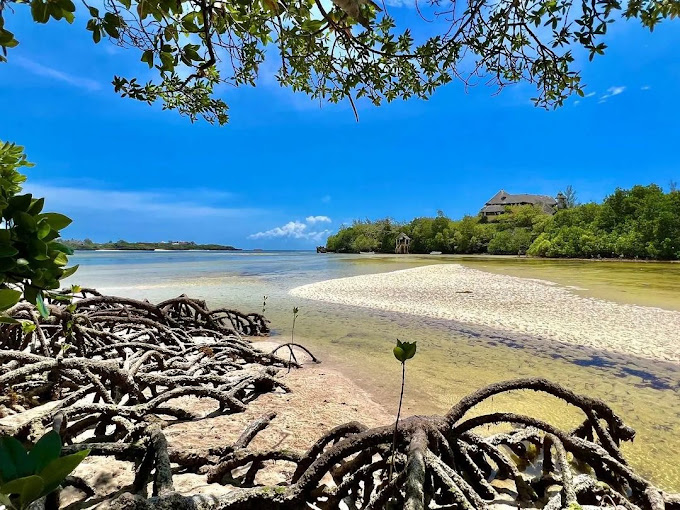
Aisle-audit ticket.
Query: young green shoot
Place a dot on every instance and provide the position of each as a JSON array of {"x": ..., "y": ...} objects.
[
  {"x": 292, "y": 336},
  {"x": 403, "y": 351}
]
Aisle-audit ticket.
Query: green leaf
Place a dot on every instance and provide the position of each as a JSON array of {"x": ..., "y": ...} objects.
[
  {"x": 27, "y": 327},
  {"x": 39, "y": 11},
  {"x": 9, "y": 298},
  {"x": 61, "y": 247},
  {"x": 8, "y": 470},
  {"x": 28, "y": 488},
  {"x": 69, "y": 271},
  {"x": 52, "y": 235},
  {"x": 4, "y": 319},
  {"x": 404, "y": 351},
  {"x": 25, "y": 220},
  {"x": 311, "y": 25},
  {"x": 31, "y": 293},
  {"x": 36, "y": 206},
  {"x": 61, "y": 259},
  {"x": 18, "y": 457},
  {"x": 37, "y": 249},
  {"x": 46, "y": 449},
  {"x": 409, "y": 349},
  {"x": 40, "y": 305},
  {"x": 111, "y": 30},
  {"x": 43, "y": 229},
  {"x": 20, "y": 202},
  {"x": 8, "y": 251},
  {"x": 57, "y": 470},
  {"x": 147, "y": 57},
  {"x": 57, "y": 221},
  {"x": 168, "y": 61}
]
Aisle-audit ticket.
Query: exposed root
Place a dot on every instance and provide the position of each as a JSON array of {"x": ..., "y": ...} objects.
[
  {"x": 442, "y": 463},
  {"x": 130, "y": 360}
]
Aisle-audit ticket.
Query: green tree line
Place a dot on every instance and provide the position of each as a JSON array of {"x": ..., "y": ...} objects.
[
  {"x": 642, "y": 222},
  {"x": 88, "y": 244}
]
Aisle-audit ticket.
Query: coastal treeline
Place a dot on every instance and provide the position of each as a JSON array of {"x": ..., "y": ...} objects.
[
  {"x": 641, "y": 222},
  {"x": 88, "y": 244}
]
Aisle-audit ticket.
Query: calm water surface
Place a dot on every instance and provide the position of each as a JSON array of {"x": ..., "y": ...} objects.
[{"x": 451, "y": 361}]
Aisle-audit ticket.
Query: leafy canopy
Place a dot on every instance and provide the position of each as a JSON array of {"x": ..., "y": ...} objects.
[
  {"x": 31, "y": 257},
  {"x": 321, "y": 50}
]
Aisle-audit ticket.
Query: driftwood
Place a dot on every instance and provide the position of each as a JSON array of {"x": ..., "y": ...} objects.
[{"x": 108, "y": 369}]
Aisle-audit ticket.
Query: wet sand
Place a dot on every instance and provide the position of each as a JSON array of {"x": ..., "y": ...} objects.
[{"x": 512, "y": 305}]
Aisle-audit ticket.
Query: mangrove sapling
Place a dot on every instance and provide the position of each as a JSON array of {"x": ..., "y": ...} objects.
[
  {"x": 292, "y": 337},
  {"x": 264, "y": 304},
  {"x": 403, "y": 351}
]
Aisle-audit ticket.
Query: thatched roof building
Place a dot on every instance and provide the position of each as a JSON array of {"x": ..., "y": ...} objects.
[{"x": 497, "y": 204}]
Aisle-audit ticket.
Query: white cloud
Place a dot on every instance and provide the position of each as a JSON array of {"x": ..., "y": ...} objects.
[
  {"x": 292, "y": 229},
  {"x": 576, "y": 103},
  {"x": 590, "y": 94},
  {"x": 325, "y": 199},
  {"x": 645, "y": 87},
  {"x": 611, "y": 92},
  {"x": 49, "y": 72},
  {"x": 167, "y": 204},
  {"x": 317, "y": 219},
  {"x": 296, "y": 230}
]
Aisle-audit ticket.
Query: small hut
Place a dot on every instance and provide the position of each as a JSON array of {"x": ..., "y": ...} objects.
[{"x": 402, "y": 243}]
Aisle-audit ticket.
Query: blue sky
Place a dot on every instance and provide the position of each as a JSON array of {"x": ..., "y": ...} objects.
[{"x": 285, "y": 171}]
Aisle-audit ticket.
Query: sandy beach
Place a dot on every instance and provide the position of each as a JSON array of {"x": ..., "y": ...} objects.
[
  {"x": 321, "y": 398},
  {"x": 511, "y": 306}
]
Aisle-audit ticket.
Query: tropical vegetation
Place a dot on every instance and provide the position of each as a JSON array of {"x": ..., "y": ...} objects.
[
  {"x": 641, "y": 222},
  {"x": 32, "y": 259}
]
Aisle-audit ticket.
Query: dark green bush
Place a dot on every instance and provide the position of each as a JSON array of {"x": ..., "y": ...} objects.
[{"x": 32, "y": 259}]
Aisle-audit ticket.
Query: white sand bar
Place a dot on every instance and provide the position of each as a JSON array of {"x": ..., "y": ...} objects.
[{"x": 510, "y": 304}]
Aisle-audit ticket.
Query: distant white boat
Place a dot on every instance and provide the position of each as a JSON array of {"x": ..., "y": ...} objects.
[
  {"x": 366, "y": 253},
  {"x": 435, "y": 253}
]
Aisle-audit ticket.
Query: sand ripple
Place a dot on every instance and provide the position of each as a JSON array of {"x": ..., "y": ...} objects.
[{"x": 510, "y": 304}]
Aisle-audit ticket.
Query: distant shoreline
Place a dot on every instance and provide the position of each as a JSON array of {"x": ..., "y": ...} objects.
[
  {"x": 156, "y": 249},
  {"x": 88, "y": 245}
]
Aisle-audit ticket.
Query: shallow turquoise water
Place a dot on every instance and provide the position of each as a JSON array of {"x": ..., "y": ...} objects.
[{"x": 452, "y": 360}]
